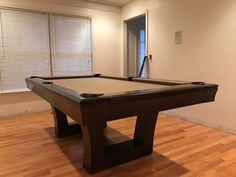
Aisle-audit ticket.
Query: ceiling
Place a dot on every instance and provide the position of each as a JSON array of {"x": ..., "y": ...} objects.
[{"x": 111, "y": 2}]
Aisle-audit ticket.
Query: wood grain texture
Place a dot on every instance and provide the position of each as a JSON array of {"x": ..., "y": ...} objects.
[{"x": 29, "y": 148}]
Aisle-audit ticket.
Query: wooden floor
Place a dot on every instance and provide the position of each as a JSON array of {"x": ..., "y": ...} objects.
[{"x": 28, "y": 148}]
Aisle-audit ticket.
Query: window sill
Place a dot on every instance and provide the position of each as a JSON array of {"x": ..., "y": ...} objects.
[{"x": 15, "y": 91}]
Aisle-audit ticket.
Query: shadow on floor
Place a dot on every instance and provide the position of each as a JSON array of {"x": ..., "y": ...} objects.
[{"x": 153, "y": 165}]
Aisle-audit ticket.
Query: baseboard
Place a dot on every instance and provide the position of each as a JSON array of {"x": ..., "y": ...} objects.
[{"x": 203, "y": 123}]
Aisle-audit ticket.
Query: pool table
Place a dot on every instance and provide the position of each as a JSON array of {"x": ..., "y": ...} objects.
[{"x": 92, "y": 100}]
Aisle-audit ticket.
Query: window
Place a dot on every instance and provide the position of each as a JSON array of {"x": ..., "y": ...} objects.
[
  {"x": 72, "y": 45},
  {"x": 25, "y": 47}
]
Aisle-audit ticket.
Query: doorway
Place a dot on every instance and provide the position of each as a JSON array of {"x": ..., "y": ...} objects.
[{"x": 136, "y": 45}]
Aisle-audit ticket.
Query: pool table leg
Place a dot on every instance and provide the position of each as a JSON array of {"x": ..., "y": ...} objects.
[
  {"x": 62, "y": 127},
  {"x": 145, "y": 129},
  {"x": 94, "y": 148},
  {"x": 99, "y": 155}
]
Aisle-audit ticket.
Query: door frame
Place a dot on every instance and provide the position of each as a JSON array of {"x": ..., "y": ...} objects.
[{"x": 125, "y": 39}]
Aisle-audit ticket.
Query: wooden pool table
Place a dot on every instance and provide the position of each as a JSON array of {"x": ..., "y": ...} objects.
[{"x": 93, "y": 100}]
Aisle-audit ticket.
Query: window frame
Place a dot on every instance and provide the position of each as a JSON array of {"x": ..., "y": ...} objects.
[{"x": 50, "y": 24}]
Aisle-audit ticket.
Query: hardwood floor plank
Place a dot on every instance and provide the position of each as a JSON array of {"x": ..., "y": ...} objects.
[{"x": 29, "y": 148}]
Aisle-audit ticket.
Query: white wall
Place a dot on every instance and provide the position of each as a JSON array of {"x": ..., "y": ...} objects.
[
  {"x": 106, "y": 45},
  {"x": 208, "y": 52},
  {"x": 19, "y": 103}
]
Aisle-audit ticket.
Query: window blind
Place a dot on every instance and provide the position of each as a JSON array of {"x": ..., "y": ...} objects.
[
  {"x": 24, "y": 47},
  {"x": 71, "y": 43}
]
